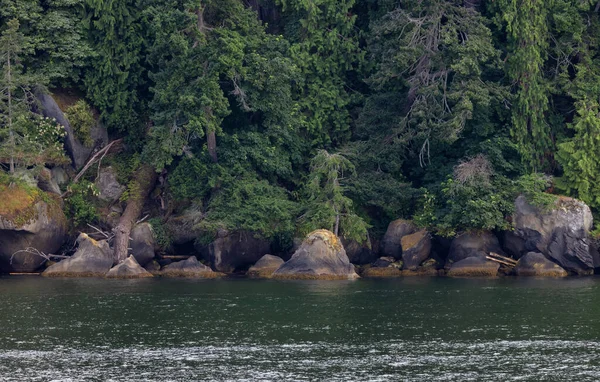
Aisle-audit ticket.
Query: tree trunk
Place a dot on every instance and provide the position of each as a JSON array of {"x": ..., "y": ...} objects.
[
  {"x": 144, "y": 180},
  {"x": 211, "y": 140},
  {"x": 11, "y": 137},
  {"x": 337, "y": 224}
]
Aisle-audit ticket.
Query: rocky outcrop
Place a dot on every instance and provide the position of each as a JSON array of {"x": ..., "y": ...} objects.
[
  {"x": 189, "y": 268},
  {"x": 28, "y": 222},
  {"x": 416, "y": 248},
  {"x": 536, "y": 264},
  {"x": 474, "y": 267},
  {"x": 473, "y": 244},
  {"x": 321, "y": 256},
  {"x": 78, "y": 152},
  {"x": 92, "y": 259},
  {"x": 265, "y": 267},
  {"x": 358, "y": 253},
  {"x": 142, "y": 243},
  {"x": 560, "y": 232},
  {"x": 46, "y": 182},
  {"x": 109, "y": 188},
  {"x": 391, "y": 243},
  {"x": 128, "y": 269},
  {"x": 236, "y": 251}
]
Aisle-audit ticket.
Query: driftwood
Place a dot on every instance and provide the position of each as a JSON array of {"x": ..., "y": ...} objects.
[
  {"x": 176, "y": 257},
  {"x": 502, "y": 259},
  {"x": 36, "y": 252}
]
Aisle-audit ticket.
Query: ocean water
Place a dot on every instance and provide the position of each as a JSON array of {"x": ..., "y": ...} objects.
[{"x": 407, "y": 329}]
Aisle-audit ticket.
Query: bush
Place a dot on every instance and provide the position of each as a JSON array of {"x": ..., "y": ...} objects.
[
  {"x": 82, "y": 121},
  {"x": 78, "y": 205}
]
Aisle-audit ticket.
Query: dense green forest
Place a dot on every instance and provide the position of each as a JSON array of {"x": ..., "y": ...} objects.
[{"x": 282, "y": 116}]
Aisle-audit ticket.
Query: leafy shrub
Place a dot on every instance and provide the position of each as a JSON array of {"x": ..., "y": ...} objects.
[
  {"x": 82, "y": 121},
  {"x": 161, "y": 233},
  {"x": 78, "y": 205}
]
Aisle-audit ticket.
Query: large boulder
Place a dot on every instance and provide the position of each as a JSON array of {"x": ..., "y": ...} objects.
[
  {"x": 128, "y": 269},
  {"x": 92, "y": 259},
  {"x": 189, "y": 268},
  {"x": 265, "y": 267},
  {"x": 236, "y": 251},
  {"x": 30, "y": 221},
  {"x": 79, "y": 153},
  {"x": 473, "y": 244},
  {"x": 109, "y": 188},
  {"x": 416, "y": 248},
  {"x": 560, "y": 232},
  {"x": 46, "y": 182},
  {"x": 391, "y": 243},
  {"x": 321, "y": 256},
  {"x": 536, "y": 264},
  {"x": 358, "y": 253},
  {"x": 474, "y": 267},
  {"x": 142, "y": 243}
]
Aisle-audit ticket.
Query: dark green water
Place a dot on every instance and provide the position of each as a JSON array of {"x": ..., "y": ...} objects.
[{"x": 245, "y": 330}]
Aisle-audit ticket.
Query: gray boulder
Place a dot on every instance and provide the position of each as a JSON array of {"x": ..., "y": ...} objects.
[
  {"x": 46, "y": 182},
  {"x": 110, "y": 190},
  {"x": 561, "y": 232},
  {"x": 474, "y": 267},
  {"x": 128, "y": 269},
  {"x": 189, "y": 268},
  {"x": 236, "y": 251},
  {"x": 37, "y": 225},
  {"x": 142, "y": 244},
  {"x": 391, "y": 243},
  {"x": 265, "y": 267},
  {"x": 536, "y": 264},
  {"x": 416, "y": 248},
  {"x": 92, "y": 259},
  {"x": 473, "y": 244},
  {"x": 321, "y": 256},
  {"x": 358, "y": 253},
  {"x": 153, "y": 267}
]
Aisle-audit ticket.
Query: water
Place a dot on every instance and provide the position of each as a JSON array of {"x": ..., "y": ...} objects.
[{"x": 412, "y": 329}]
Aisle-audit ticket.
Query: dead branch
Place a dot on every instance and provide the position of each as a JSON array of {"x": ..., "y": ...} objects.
[
  {"x": 99, "y": 155},
  {"x": 37, "y": 252}
]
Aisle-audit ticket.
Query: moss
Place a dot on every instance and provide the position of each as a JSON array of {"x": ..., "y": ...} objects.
[
  {"x": 327, "y": 237},
  {"x": 191, "y": 274},
  {"x": 409, "y": 241},
  {"x": 306, "y": 276},
  {"x": 381, "y": 272},
  {"x": 264, "y": 273}
]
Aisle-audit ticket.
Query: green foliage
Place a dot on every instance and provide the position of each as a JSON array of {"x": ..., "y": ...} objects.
[
  {"x": 326, "y": 206},
  {"x": 78, "y": 204},
  {"x": 161, "y": 233},
  {"x": 82, "y": 121}
]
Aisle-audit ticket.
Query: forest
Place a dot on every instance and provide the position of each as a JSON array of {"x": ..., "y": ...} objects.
[{"x": 279, "y": 117}]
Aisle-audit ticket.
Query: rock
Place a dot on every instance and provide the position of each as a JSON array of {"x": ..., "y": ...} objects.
[
  {"x": 236, "y": 251},
  {"x": 358, "y": 253},
  {"x": 92, "y": 259},
  {"x": 536, "y": 264},
  {"x": 153, "y": 267},
  {"x": 391, "y": 242},
  {"x": 474, "y": 244},
  {"x": 110, "y": 190},
  {"x": 128, "y": 269},
  {"x": 59, "y": 176},
  {"x": 46, "y": 182},
  {"x": 383, "y": 262},
  {"x": 380, "y": 272},
  {"x": 189, "y": 268},
  {"x": 416, "y": 248},
  {"x": 29, "y": 222},
  {"x": 265, "y": 267},
  {"x": 76, "y": 150},
  {"x": 142, "y": 245},
  {"x": 513, "y": 244},
  {"x": 561, "y": 233},
  {"x": 321, "y": 256},
  {"x": 474, "y": 267}
]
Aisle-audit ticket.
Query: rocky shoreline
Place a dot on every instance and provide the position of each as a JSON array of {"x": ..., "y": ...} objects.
[{"x": 546, "y": 242}]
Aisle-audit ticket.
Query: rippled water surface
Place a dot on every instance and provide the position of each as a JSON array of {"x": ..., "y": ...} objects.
[{"x": 425, "y": 329}]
